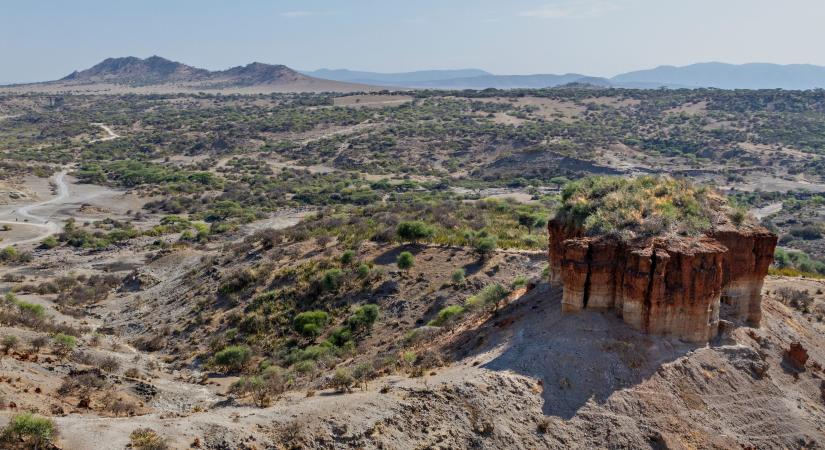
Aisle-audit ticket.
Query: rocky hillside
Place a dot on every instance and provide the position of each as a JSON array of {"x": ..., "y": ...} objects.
[
  {"x": 159, "y": 75},
  {"x": 137, "y": 72}
]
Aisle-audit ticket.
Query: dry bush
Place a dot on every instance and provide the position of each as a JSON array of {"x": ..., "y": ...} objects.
[
  {"x": 93, "y": 289},
  {"x": 109, "y": 364},
  {"x": 83, "y": 384},
  {"x": 121, "y": 406},
  {"x": 799, "y": 299},
  {"x": 147, "y": 439},
  {"x": 38, "y": 342},
  {"x": 32, "y": 322},
  {"x": 152, "y": 343}
]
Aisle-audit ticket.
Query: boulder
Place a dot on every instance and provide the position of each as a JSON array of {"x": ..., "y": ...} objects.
[{"x": 796, "y": 355}]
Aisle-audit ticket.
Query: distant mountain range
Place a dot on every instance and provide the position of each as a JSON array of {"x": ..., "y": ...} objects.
[
  {"x": 730, "y": 76},
  {"x": 714, "y": 75},
  {"x": 160, "y": 75}
]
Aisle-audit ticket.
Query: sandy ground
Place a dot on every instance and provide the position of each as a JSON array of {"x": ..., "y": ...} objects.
[
  {"x": 32, "y": 222},
  {"x": 766, "y": 210}
]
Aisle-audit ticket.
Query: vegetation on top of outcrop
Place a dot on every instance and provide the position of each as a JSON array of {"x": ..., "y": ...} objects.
[{"x": 643, "y": 206}]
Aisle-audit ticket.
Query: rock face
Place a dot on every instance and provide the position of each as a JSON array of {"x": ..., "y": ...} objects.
[
  {"x": 663, "y": 286},
  {"x": 797, "y": 356},
  {"x": 750, "y": 253}
]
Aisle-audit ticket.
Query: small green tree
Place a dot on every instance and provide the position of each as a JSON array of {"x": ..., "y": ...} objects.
[
  {"x": 405, "y": 260},
  {"x": 414, "y": 231},
  {"x": 64, "y": 343},
  {"x": 485, "y": 246},
  {"x": 559, "y": 181}
]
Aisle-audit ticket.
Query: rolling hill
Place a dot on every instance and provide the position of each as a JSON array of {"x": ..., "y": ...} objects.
[{"x": 159, "y": 75}]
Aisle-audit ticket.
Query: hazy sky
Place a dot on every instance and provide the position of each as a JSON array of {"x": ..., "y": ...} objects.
[{"x": 43, "y": 40}]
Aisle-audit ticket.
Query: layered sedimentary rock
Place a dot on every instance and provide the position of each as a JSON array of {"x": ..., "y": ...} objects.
[
  {"x": 750, "y": 253},
  {"x": 663, "y": 286}
]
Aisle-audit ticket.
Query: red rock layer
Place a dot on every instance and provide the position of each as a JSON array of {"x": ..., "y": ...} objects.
[
  {"x": 670, "y": 287},
  {"x": 750, "y": 253}
]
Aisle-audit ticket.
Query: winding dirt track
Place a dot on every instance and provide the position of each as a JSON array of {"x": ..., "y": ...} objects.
[
  {"x": 110, "y": 134},
  {"x": 24, "y": 215},
  {"x": 48, "y": 226}
]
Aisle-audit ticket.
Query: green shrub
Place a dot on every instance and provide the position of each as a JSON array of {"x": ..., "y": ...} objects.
[
  {"x": 405, "y": 260},
  {"x": 790, "y": 261},
  {"x": 8, "y": 254},
  {"x": 305, "y": 367},
  {"x": 50, "y": 242},
  {"x": 519, "y": 282},
  {"x": 311, "y": 353},
  {"x": 363, "y": 317},
  {"x": 310, "y": 323},
  {"x": 32, "y": 309},
  {"x": 340, "y": 336},
  {"x": 332, "y": 279},
  {"x": 447, "y": 315},
  {"x": 458, "y": 276},
  {"x": 414, "y": 231},
  {"x": 11, "y": 255},
  {"x": 363, "y": 271},
  {"x": 34, "y": 430},
  {"x": 347, "y": 257},
  {"x": 234, "y": 357}
]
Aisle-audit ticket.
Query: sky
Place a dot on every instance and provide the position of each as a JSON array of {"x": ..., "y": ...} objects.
[{"x": 47, "y": 39}]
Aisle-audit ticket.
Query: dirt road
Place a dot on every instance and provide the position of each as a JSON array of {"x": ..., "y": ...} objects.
[
  {"x": 110, "y": 134},
  {"x": 24, "y": 214}
]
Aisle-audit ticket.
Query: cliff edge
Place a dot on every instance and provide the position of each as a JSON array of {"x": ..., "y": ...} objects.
[{"x": 668, "y": 282}]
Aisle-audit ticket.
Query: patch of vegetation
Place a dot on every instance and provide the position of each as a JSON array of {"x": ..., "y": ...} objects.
[
  {"x": 645, "y": 206},
  {"x": 795, "y": 263},
  {"x": 405, "y": 260},
  {"x": 232, "y": 358},
  {"x": 311, "y": 323},
  {"x": 31, "y": 430},
  {"x": 147, "y": 439}
]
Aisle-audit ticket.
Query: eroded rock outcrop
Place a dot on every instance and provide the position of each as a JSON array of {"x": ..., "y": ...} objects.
[
  {"x": 670, "y": 286},
  {"x": 750, "y": 253}
]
